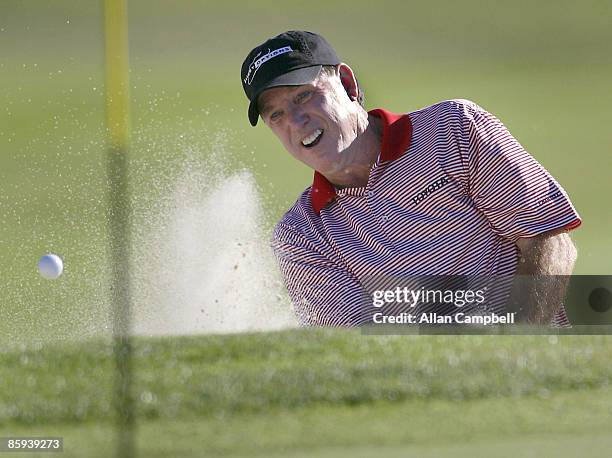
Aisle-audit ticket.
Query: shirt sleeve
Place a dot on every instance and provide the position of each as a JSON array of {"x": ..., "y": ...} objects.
[
  {"x": 323, "y": 292},
  {"x": 515, "y": 193}
]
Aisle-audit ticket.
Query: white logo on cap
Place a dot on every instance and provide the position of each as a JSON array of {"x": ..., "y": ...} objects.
[{"x": 259, "y": 61}]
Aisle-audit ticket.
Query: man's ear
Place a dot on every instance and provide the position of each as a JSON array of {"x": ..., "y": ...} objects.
[{"x": 348, "y": 80}]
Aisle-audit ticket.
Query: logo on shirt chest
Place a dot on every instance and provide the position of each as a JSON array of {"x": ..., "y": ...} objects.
[{"x": 429, "y": 190}]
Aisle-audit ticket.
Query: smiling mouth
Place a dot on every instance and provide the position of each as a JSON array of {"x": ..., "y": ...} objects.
[{"x": 312, "y": 139}]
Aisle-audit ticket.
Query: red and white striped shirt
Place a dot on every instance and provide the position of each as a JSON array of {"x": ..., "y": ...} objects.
[{"x": 449, "y": 194}]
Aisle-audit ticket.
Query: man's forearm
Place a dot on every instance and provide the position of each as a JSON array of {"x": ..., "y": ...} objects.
[{"x": 542, "y": 276}]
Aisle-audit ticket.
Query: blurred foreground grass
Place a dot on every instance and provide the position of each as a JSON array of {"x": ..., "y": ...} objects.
[{"x": 260, "y": 394}]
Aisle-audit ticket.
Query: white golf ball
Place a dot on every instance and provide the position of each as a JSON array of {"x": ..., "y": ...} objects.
[{"x": 50, "y": 266}]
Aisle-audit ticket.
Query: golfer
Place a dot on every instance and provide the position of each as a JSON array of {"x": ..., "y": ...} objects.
[{"x": 445, "y": 190}]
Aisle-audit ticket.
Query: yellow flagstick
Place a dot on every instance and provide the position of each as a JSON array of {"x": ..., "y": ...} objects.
[
  {"x": 117, "y": 118},
  {"x": 117, "y": 87}
]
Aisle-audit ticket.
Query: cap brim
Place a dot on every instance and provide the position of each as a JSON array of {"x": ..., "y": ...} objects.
[{"x": 293, "y": 78}]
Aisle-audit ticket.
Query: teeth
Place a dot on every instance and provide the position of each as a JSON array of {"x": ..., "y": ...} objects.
[{"x": 311, "y": 138}]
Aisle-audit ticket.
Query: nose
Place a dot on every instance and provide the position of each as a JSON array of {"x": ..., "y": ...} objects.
[{"x": 298, "y": 116}]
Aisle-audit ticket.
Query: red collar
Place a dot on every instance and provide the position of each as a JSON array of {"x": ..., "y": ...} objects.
[{"x": 397, "y": 133}]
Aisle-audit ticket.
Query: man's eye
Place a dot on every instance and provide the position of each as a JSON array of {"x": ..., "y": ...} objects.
[
  {"x": 275, "y": 115},
  {"x": 303, "y": 96}
]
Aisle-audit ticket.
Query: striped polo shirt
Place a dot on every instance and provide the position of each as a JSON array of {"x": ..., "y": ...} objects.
[{"x": 450, "y": 194}]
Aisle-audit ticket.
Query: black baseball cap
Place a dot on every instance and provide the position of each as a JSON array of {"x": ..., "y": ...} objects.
[{"x": 289, "y": 59}]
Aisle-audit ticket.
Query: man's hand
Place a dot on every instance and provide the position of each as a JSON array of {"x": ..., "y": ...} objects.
[{"x": 545, "y": 264}]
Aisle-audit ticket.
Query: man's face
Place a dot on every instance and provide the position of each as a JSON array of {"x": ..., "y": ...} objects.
[{"x": 315, "y": 122}]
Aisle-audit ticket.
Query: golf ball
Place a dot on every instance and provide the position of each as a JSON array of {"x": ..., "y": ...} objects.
[{"x": 50, "y": 266}]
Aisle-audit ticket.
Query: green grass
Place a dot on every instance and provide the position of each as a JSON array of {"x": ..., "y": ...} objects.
[
  {"x": 560, "y": 424},
  {"x": 222, "y": 375},
  {"x": 321, "y": 393}
]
